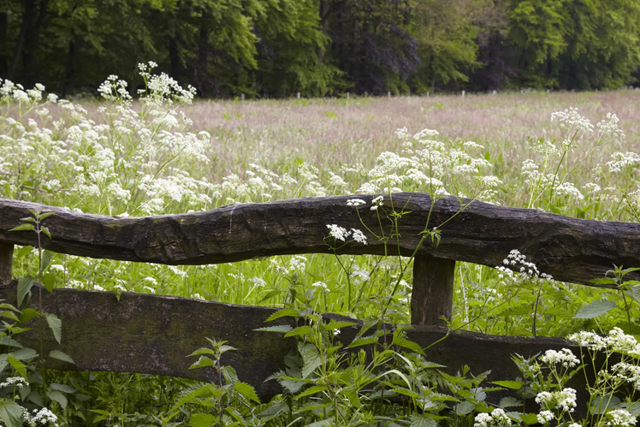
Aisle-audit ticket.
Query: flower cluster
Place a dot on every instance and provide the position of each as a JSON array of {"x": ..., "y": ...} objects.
[
  {"x": 497, "y": 418},
  {"x": 617, "y": 341},
  {"x": 564, "y": 356},
  {"x": 564, "y": 399},
  {"x": 342, "y": 234}
]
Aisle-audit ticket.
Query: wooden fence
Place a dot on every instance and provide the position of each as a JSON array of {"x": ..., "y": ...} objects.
[{"x": 153, "y": 334}]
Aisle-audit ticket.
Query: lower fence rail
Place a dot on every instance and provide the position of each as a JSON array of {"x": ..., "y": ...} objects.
[{"x": 150, "y": 334}]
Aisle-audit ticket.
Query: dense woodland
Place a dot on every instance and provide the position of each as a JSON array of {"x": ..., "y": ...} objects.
[{"x": 276, "y": 48}]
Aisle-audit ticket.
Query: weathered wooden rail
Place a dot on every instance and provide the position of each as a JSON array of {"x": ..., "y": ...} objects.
[{"x": 152, "y": 334}]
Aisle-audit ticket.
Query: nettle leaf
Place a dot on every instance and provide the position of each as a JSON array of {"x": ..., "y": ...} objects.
[
  {"x": 57, "y": 396},
  {"x": 203, "y": 350},
  {"x": 363, "y": 341},
  {"x": 25, "y": 354},
  {"x": 202, "y": 420},
  {"x": 24, "y": 227},
  {"x": 247, "y": 391},
  {"x": 595, "y": 309},
  {"x": 312, "y": 390},
  {"x": 401, "y": 342},
  {"x": 47, "y": 257},
  {"x": 276, "y": 328},
  {"x": 509, "y": 402},
  {"x": 20, "y": 368},
  {"x": 287, "y": 312},
  {"x": 11, "y": 413},
  {"x": 56, "y": 326},
  {"x": 464, "y": 408},
  {"x": 513, "y": 385},
  {"x": 602, "y": 404},
  {"x": 202, "y": 362},
  {"x": 300, "y": 330},
  {"x": 24, "y": 287},
  {"x": 603, "y": 281},
  {"x": 62, "y": 388},
  {"x": 529, "y": 419},
  {"x": 422, "y": 420},
  {"x": 338, "y": 324},
  {"x": 311, "y": 358},
  {"x": 57, "y": 354}
]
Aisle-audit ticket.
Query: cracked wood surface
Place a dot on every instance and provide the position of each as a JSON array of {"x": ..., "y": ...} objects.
[{"x": 569, "y": 249}]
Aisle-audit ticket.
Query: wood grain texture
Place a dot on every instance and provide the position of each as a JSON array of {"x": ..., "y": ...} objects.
[
  {"x": 6, "y": 263},
  {"x": 432, "y": 294},
  {"x": 154, "y": 334},
  {"x": 570, "y": 249}
]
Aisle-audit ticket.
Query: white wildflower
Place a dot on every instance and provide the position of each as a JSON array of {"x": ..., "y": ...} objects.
[{"x": 564, "y": 356}]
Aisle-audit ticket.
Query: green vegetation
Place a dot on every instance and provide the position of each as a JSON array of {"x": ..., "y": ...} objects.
[
  {"x": 278, "y": 48},
  {"x": 156, "y": 155}
]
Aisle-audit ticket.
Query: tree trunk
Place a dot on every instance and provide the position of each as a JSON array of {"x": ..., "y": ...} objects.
[
  {"x": 28, "y": 14},
  {"x": 32, "y": 42},
  {"x": 70, "y": 66},
  {"x": 4, "y": 42}
]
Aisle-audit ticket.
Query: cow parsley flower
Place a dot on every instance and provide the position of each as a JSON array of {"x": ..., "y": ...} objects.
[
  {"x": 497, "y": 418},
  {"x": 564, "y": 356}
]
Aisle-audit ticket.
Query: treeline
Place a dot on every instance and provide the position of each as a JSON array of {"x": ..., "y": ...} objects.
[{"x": 276, "y": 48}]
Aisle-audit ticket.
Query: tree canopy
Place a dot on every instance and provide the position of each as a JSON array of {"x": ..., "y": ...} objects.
[{"x": 276, "y": 48}]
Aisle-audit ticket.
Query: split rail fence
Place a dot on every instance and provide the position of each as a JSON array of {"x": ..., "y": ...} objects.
[{"x": 153, "y": 334}]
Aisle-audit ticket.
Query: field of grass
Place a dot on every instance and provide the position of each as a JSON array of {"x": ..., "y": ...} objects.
[{"x": 153, "y": 157}]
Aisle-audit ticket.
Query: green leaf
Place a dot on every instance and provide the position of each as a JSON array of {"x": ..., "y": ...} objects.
[
  {"x": 363, "y": 341},
  {"x": 27, "y": 314},
  {"x": 44, "y": 215},
  {"x": 24, "y": 227},
  {"x": 203, "y": 350},
  {"x": 509, "y": 402},
  {"x": 56, "y": 396},
  {"x": 202, "y": 420},
  {"x": 25, "y": 354},
  {"x": 11, "y": 413},
  {"x": 56, "y": 326},
  {"x": 287, "y": 312},
  {"x": 46, "y": 231},
  {"x": 464, "y": 408},
  {"x": 47, "y": 257},
  {"x": 191, "y": 396},
  {"x": 57, "y": 354},
  {"x": 312, "y": 390},
  {"x": 513, "y": 385},
  {"x": 603, "y": 281},
  {"x": 422, "y": 420},
  {"x": 300, "y": 330},
  {"x": 10, "y": 315},
  {"x": 408, "y": 344},
  {"x": 19, "y": 367},
  {"x": 338, "y": 324},
  {"x": 602, "y": 404},
  {"x": 595, "y": 309},
  {"x": 62, "y": 387},
  {"x": 529, "y": 419},
  {"x": 275, "y": 328},
  {"x": 247, "y": 391},
  {"x": 24, "y": 287},
  {"x": 202, "y": 362},
  {"x": 6, "y": 306},
  {"x": 311, "y": 358}
]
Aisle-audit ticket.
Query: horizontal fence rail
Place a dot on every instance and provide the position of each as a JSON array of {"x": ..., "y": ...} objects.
[
  {"x": 569, "y": 249},
  {"x": 154, "y": 334}
]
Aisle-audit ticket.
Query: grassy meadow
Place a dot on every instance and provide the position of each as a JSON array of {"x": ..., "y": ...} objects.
[
  {"x": 278, "y": 149},
  {"x": 154, "y": 155}
]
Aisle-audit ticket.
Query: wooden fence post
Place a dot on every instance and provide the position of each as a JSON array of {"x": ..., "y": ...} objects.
[
  {"x": 6, "y": 262},
  {"x": 432, "y": 295}
]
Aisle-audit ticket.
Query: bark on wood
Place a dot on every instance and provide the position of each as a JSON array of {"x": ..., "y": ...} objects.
[
  {"x": 432, "y": 295},
  {"x": 154, "y": 334},
  {"x": 570, "y": 249},
  {"x": 6, "y": 263}
]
